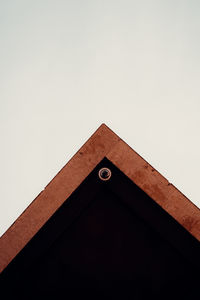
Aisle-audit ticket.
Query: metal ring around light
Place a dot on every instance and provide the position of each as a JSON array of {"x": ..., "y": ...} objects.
[{"x": 105, "y": 174}]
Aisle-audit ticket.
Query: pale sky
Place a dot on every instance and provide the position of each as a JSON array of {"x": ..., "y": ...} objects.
[{"x": 68, "y": 66}]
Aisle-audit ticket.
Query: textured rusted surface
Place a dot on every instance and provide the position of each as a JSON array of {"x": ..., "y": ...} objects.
[
  {"x": 55, "y": 193},
  {"x": 156, "y": 186},
  {"x": 104, "y": 142}
]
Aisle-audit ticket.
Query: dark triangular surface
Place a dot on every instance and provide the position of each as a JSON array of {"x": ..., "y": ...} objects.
[{"x": 108, "y": 239}]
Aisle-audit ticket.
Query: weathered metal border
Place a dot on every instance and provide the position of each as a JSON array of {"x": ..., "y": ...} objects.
[{"x": 103, "y": 143}]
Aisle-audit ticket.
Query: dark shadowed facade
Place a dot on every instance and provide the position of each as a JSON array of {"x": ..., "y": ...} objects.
[{"x": 107, "y": 226}]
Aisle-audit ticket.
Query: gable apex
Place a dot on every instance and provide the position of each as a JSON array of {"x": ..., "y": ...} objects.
[{"x": 104, "y": 143}]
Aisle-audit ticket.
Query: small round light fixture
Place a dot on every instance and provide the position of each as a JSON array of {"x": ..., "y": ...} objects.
[{"x": 104, "y": 174}]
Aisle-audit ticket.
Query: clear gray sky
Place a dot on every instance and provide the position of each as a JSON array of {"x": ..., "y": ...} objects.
[{"x": 68, "y": 66}]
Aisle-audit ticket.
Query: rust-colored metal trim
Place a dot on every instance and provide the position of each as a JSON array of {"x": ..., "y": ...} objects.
[{"x": 103, "y": 143}]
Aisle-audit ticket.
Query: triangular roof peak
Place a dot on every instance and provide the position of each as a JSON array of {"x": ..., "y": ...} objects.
[{"x": 103, "y": 143}]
